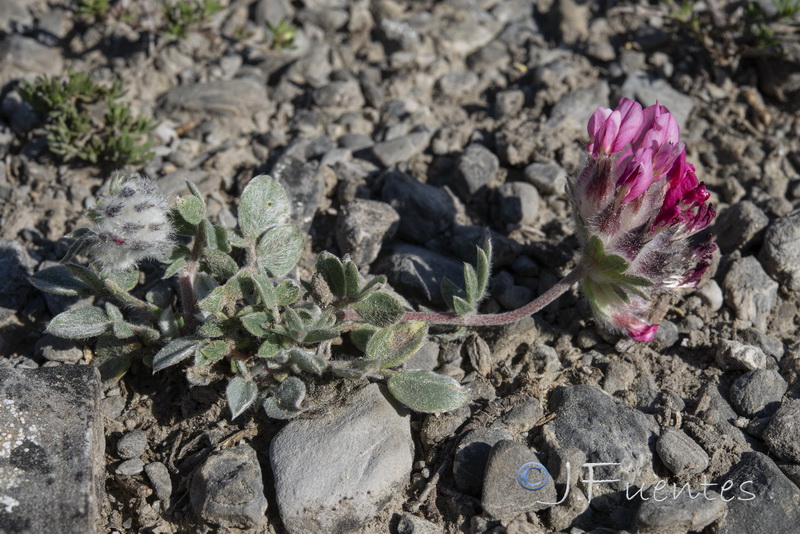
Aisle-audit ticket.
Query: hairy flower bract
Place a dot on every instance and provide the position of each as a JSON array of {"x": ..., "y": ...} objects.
[{"x": 636, "y": 204}]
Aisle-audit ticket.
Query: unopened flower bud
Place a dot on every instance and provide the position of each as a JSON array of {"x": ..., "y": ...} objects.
[
  {"x": 130, "y": 225},
  {"x": 635, "y": 205}
]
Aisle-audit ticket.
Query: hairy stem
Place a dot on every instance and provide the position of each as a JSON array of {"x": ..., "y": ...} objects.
[{"x": 450, "y": 318}]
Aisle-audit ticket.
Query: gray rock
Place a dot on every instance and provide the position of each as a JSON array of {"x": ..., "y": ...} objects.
[
  {"x": 441, "y": 426},
  {"x": 15, "y": 15},
  {"x": 640, "y": 87},
  {"x": 711, "y": 294},
  {"x": 734, "y": 356},
  {"x": 522, "y": 417},
  {"x": 764, "y": 500},
  {"x": 403, "y": 148},
  {"x": 466, "y": 238},
  {"x": 158, "y": 474},
  {"x": 113, "y": 406},
  {"x": 457, "y": 84},
  {"x": 21, "y": 56},
  {"x": 56, "y": 349},
  {"x": 618, "y": 376},
  {"x": 750, "y": 291},
  {"x": 579, "y": 105},
  {"x": 663, "y": 513},
  {"x": 548, "y": 178},
  {"x": 345, "y": 95},
  {"x": 666, "y": 336},
  {"x": 132, "y": 445},
  {"x": 131, "y": 467},
  {"x": 680, "y": 453},
  {"x": 411, "y": 524},
  {"x": 507, "y": 293},
  {"x": 783, "y": 433},
  {"x": 363, "y": 226},
  {"x": 52, "y": 463},
  {"x": 227, "y": 489},
  {"x": 771, "y": 346},
  {"x": 758, "y": 393},
  {"x": 471, "y": 456},
  {"x": 417, "y": 272},
  {"x": 509, "y": 103},
  {"x": 476, "y": 169},
  {"x": 321, "y": 484},
  {"x": 236, "y": 98},
  {"x": 273, "y": 11},
  {"x": 398, "y": 35},
  {"x": 516, "y": 482},
  {"x": 589, "y": 420},
  {"x": 516, "y": 203},
  {"x": 15, "y": 268},
  {"x": 304, "y": 185},
  {"x": 781, "y": 251},
  {"x": 740, "y": 227},
  {"x": 425, "y": 211},
  {"x": 465, "y": 33},
  {"x": 426, "y": 358},
  {"x": 21, "y": 116}
]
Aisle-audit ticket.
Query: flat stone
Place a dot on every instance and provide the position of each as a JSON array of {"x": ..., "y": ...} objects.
[
  {"x": 363, "y": 226},
  {"x": 680, "y": 453},
  {"x": 345, "y": 95},
  {"x": 781, "y": 251},
  {"x": 516, "y": 203},
  {"x": 44, "y": 482},
  {"x": 516, "y": 482},
  {"x": 734, "y": 356},
  {"x": 476, "y": 169},
  {"x": 335, "y": 472},
  {"x": 158, "y": 474},
  {"x": 711, "y": 294},
  {"x": 227, "y": 489},
  {"x": 548, "y": 178},
  {"x": 663, "y": 513},
  {"x": 20, "y": 56},
  {"x": 456, "y": 84},
  {"x": 764, "y": 501},
  {"x": 471, "y": 456},
  {"x": 425, "y": 211},
  {"x": 131, "y": 467},
  {"x": 750, "y": 291},
  {"x": 740, "y": 227},
  {"x": 234, "y": 98},
  {"x": 417, "y": 272},
  {"x": 411, "y": 524},
  {"x": 467, "y": 31},
  {"x": 132, "y": 444},
  {"x": 589, "y": 420},
  {"x": 783, "y": 433},
  {"x": 758, "y": 393},
  {"x": 403, "y": 148}
]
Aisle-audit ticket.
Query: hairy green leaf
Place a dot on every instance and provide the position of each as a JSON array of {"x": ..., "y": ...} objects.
[
  {"x": 380, "y": 308},
  {"x": 427, "y": 392},
  {"x": 280, "y": 249},
  {"x": 332, "y": 270},
  {"x": 59, "y": 280},
  {"x": 395, "y": 344},
  {"x": 191, "y": 208},
  {"x": 287, "y": 293},
  {"x": 263, "y": 204},
  {"x": 113, "y": 356},
  {"x": 80, "y": 323},
  {"x": 254, "y": 323},
  {"x": 174, "y": 352},
  {"x": 219, "y": 264},
  {"x": 241, "y": 393}
]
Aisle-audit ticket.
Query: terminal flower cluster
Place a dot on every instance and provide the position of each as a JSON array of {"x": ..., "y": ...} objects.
[{"x": 636, "y": 204}]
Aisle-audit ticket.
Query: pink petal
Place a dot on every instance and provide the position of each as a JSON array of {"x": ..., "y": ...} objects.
[{"x": 646, "y": 333}]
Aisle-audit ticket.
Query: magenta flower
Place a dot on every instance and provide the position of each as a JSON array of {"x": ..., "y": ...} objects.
[{"x": 636, "y": 203}]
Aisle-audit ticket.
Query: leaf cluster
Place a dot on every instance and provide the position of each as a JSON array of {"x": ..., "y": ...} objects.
[
  {"x": 87, "y": 121},
  {"x": 181, "y": 15},
  {"x": 238, "y": 305}
]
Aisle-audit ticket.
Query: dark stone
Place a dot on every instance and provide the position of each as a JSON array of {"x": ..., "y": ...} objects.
[
  {"x": 516, "y": 203},
  {"x": 425, "y": 211},
  {"x": 363, "y": 226},
  {"x": 476, "y": 169},
  {"x": 471, "y": 456},
  {"x": 783, "y": 433},
  {"x": 758, "y": 393},
  {"x": 15, "y": 268}
]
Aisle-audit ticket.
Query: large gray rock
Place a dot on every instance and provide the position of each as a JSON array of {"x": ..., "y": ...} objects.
[
  {"x": 516, "y": 482},
  {"x": 589, "y": 420},
  {"x": 21, "y": 56},
  {"x": 516, "y": 203},
  {"x": 781, "y": 251},
  {"x": 15, "y": 268},
  {"x": 240, "y": 97},
  {"x": 758, "y": 393},
  {"x": 425, "y": 211},
  {"x": 304, "y": 183},
  {"x": 663, "y": 513},
  {"x": 476, "y": 169},
  {"x": 750, "y": 291},
  {"x": 402, "y": 148},
  {"x": 51, "y": 450},
  {"x": 335, "y": 472},
  {"x": 763, "y": 501},
  {"x": 783, "y": 433},
  {"x": 472, "y": 453},
  {"x": 227, "y": 489},
  {"x": 680, "y": 453},
  {"x": 740, "y": 227},
  {"x": 362, "y": 228}
]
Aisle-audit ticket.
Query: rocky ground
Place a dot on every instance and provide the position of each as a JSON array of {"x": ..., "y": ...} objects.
[{"x": 403, "y": 131}]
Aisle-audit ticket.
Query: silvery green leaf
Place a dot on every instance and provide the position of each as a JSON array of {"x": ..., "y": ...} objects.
[
  {"x": 274, "y": 411},
  {"x": 332, "y": 270},
  {"x": 395, "y": 344},
  {"x": 270, "y": 347},
  {"x": 173, "y": 268},
  {"x": 233, "y": 237},
  {"x": 279, "y": 249},
  {"x": 88, "y": 277},
  {"x": 80, "y": 323},
  {"x": 191, "y": 208},
  {"x": 427, "y": 392},
  {"x": 194, "y": 190},
  {"x": 210, "y": 352},
  {"x": 208, "y": 235},
  {"x": 361, "y": 334},
  {"x": 263, "y": 204},
  {"x": 307, "y": 361},
  {"x": 223, "y": 238},
  {"x": 380, "y": 308},
  {"x": 113, "y": 312},
  {"x": 219, "y": 264},
  {"x": 471, "y": 284},
  {"x": 241, "y": 393},
  {"x": 174, "y": 352},
  {"x": 293, "y": 320},
  {"x": 462, "y": 307},
  {"x": 265, "y": 289},
  {"x": 291, "y": 393},
  {"x": 254, "y": 323},
  {"x": 213, "y": 327},
  {"x": 352, "y": 279},
  {"x": 484, "y": 266},
  {"x": 167, "y": 324},
  {"x": 372, "y": 285},
  {"x": 126, "y": 280},
  {"x": 113, "y": 356},
  {"x": 214, "y": 302},
  {"x": 59, "y": 280},
  {"x": 287, "y": 293}
]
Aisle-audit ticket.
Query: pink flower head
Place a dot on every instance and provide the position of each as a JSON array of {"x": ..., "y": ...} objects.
[{"x": 636, "y": 203}]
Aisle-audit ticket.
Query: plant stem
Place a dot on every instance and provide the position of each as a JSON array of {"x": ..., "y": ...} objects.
[
  {"x": 450, "y": 318},
  {"x": 186, "y": 292}
]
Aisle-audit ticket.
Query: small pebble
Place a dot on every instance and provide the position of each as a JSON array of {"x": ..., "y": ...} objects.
[
  {"x": 131, "y": 467},
  {"x": 132, "y": 444}
]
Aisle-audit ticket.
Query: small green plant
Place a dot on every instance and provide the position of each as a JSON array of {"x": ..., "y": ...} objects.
[
  {"x": 233, "y": 305},
  {"x": 95, "y": 9},
  {"x": 180, "y": 15},
  {"x": 87, "y": 121},
  {"x": 282, "y": 35}
]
